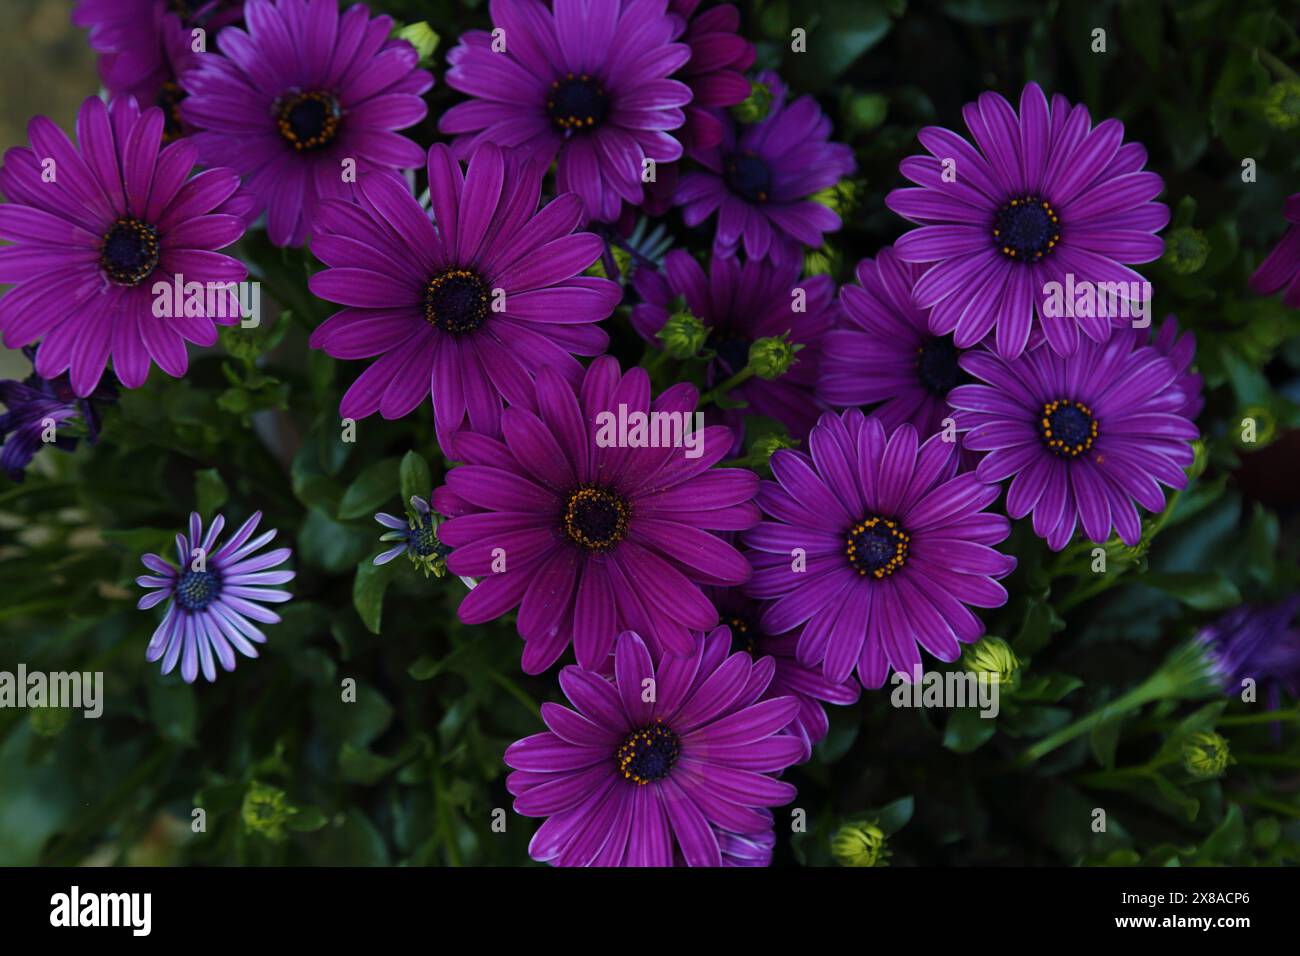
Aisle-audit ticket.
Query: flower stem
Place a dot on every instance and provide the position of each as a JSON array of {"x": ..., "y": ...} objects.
[{"x": 721, "y": 389}]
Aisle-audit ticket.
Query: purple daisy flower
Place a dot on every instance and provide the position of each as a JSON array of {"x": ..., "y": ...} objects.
[
  {"x": 215, "y": 597},
  {"x": 716, "y": 70},
  {"x": 1259, "y": 642},
  {"x": 121, "y": 219},
  {"x": 1040, "y": 195},
  {"x": 741, "y": 304},
  {"x": 628, "y": 782},
  {"x": 1083, "y": 436},
  {"x": 599, "y": 532},
  {"x": 302, "y": 103},
  {"x": 884, "y": 352},
  {"x": 36, "y": 401},
  {"x": 875, "y": 545},
  {"x": 1181, "y": 349},
  {"x": 1281, "y": 269},
  {"x": 747, "y": 849},
  {"x": 806, "y": 684},
  {"x": 465, "y": 312},
  {"x": 585, "y": 85},
  {"x": 146, "y": 44},
  {"x": 760, "y": 177}
]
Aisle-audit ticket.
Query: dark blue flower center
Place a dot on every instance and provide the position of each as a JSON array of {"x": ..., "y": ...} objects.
[
  {"x": 731, "y": 350},
  {"x": 456, "y": 301},
  {"x": 1026, "y": 228},
  {"x": 130, "y": 251},
  {"x": 197, "y": 589},
  {"x": 936, "y": 366},
  {"x": 595, "y": 518},
  {"x": 748, "y": 177},
  {"x": 309, "y": 121},
  {"x": 876, "y": 546},
  {"x": 648, "y": 753},
  {"x": 577, "y": 102},
  {"x": 423, "y": 539},
  {"x": 1068, "y": 428},
  {"x": 169, "y": 101},
  {"x": 744, "y": 634}
]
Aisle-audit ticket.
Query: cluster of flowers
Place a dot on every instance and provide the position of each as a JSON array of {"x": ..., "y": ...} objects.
[{"x": 711, "y": 615}]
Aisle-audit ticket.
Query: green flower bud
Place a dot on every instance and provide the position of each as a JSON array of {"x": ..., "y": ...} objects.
[
  {"x": 683, "y": 335},
  {"x": 1206, "y": 755},
  {"x": 266, "y": 810},
  {"x": 754, "y": 108},
  {"x": 1260, "y": 420},
  {"x": 860, "y": 844},
  {"x": 1282, "y": 105},
  {"x": 993, "y": 656},
  {"x": 49, "y": 721},
  {"x": 1186, "y": 250},
  {"x": 1200, "y": 458},
  {"x": 761, "y": 451},
  {"x": 772, "y": 357},
  {"x": 841, "y": 198},
  {"x": 866, "y": 111},
  {"x": 822, "y": 262},
  {"x": 421, "y": 36}
]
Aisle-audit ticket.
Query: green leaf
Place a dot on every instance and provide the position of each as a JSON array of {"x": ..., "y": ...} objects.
[
  {"x": 1104, "y": 741},
  {"x": 368, "y": 589},
  {"x": 362, "y": 766},
  {"x": 967, "y": 730},
  {"x": 325, "y": 543},
  {"x": 173, "y": 710},
  {"x": 415, "y": 477},
  {"x": 896, "y": 815},
  {"x": 308, "y": 820},
  {"x": 1204, "y": 592},
  {"x": 372, "y": 488},
  {"x": 210, "y": 491}
]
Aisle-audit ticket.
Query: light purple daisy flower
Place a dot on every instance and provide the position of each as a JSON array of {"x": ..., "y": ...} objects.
[
  {"x": 304, "y": 102},
  {"x": 467, "y": 311},
  {"x": 884, "y": 354},
  {"x": 760, "y": 177},
  {"x": 1082, "y": 436},
  {"x": 416, "y": 535},
  {"x": 1040, "y": 195},
  {"x": 1181, "y": 349},
  {"x": 875, "y": 545},
  {"x": 585, "y": 86},
  {"x": 741, "y": 304},
  {"x": 120, "y": 219},
  {"x": 747, "y": 849},
  {"x": 590, "y": 532},
  {"x": 214, "y": 598},
  {"x": 626, "y": 781},
  {"x": 1281, "y": 268},
  {"x": 807, "y": 684}
]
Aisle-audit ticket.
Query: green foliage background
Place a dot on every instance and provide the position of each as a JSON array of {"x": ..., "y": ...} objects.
[{"x": 412, "y": 771}]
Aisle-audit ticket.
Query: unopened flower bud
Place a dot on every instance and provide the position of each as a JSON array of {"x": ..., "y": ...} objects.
[
  {"x": 772, "y": 357},
  {"x": 1206, "y": 755},
  {"x": 859, "y": 844},
  {"x": 753, "y": 108},
  {"x": 1282, "y": 105},
  {"x": 993, "y": 656},
  {"x": 683, "y": 335},
  {"x": 1186, "y": 250}
]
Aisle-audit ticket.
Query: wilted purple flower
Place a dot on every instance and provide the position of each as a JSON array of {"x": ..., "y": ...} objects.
[
  {"x": 215, "y": 596},
  {"x": 302, "y": 103},
  {"x": 807, "y": 684},
  {"x": 1281, "y": 269},
  {"x": 630, "y": 779},
  {"x": 1040, "y": 195},
  {"x": 1085, "y": 436},
  {"x": 884, "y": 352},
  {"x": 116, "y": 218},
  {"x": 760, "y": 177},
  {"x": 468, "y": 311},
  {"x": 585, "y": 85},
  {"x": 875, "y": 545},
  {"x": 741, "y": 304},
  {"x": 35, "y": 402},
  {"x": 1259, "y": 642},
  {"x": 589, "y": 531}
]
